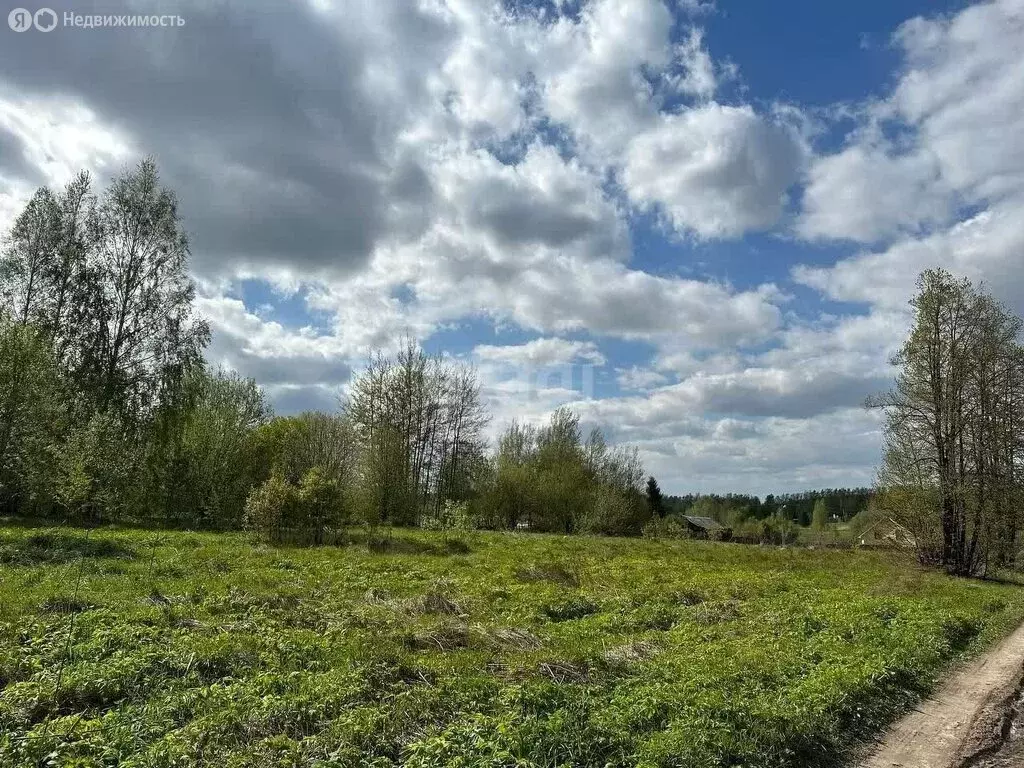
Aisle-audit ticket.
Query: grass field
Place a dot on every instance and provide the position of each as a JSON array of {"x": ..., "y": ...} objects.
[{"x": 143, "y": 648}]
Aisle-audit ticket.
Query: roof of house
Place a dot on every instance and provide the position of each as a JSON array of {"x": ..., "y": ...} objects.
[{"x": 707, "y": 523}]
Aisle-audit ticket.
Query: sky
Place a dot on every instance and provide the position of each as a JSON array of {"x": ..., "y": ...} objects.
[{"x": 698, "y": 224}]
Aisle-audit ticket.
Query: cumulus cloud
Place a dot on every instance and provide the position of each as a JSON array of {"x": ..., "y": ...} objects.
[
  {"x": 865, "y": 193},
  {"x": 271, "y": 122},
  {"x": 276, "y": 356},
  {"x": 639, "y": 378},
  {"x": 835, "y": 450},
  {"x": 407, "y": 166},
  {"x": 948, "y": 135},
  {"x": 718, "y": 171},
  {"x": 948, "y": 191},
  {"x": 715, "y": 170},
  {"x": 541, "y": 352}
]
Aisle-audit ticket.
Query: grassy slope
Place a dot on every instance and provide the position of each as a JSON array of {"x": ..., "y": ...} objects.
[{"x": 192, "y": 649}]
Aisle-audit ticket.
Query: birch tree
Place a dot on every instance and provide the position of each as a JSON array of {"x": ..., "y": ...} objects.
[{"x": 952, "y": 463}]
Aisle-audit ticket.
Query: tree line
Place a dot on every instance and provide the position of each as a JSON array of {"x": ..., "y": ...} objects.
[
  {"x": 835, "y": 504},
  {"x": 108, "y": 410}
]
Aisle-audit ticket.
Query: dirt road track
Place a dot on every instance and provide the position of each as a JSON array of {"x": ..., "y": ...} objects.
[{"x": 969, "y": 722}]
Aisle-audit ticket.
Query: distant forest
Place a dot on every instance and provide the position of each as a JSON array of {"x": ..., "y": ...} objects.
[{"x": 842, "y": 505}]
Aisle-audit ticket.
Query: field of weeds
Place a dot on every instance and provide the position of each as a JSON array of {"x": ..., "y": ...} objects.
[{"x": 144, "y": 648}]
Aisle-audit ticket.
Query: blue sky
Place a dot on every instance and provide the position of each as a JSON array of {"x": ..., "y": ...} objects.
[{"x": 696, "y": 223}]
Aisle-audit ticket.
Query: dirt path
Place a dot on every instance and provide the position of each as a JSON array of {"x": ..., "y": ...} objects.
[{"x": 971, "y": 722}]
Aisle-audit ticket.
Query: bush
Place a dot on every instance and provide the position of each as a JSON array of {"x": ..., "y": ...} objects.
[
  {"x": 453, "y": 516},
  {"x": 99, "y": 466},
  {"x": 321, "y": 504},
  {"x": 665, "y": 528},
  {"x": 615, "y": 512},
  {"x": 269, "y": 508},
  {"x": 772, "y": 530},
  {"x": 305, "y": 512}
]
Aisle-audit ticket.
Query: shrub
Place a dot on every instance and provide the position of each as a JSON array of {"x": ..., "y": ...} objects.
[
  {"x": 665, "y": 528},
  {"x": 321, "y": 504},
  {"x": 615, "y": 512},
  {"x": 453, "y": 516},
  {"x": 772, "y": 530},
  {"x": 269, "y": 508},
  {"x": 302, "y": 513},
  {"x": 99, "y": 469}
]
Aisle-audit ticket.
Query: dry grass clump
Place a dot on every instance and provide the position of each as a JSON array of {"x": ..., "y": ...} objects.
[
  {"x": 564, "y": 671},
  {"x": 444, "y": 637},
  {"x": 630, "y": 653},
  {"x": 435, "y": 601},
  {"x": 513, "y": 638},
  {"x": 556, "y": 573}
]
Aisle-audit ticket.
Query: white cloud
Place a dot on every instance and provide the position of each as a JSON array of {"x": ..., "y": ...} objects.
[
  {"x": 639, "y": 378},
  {"x": 776, "y": 454},
  {"x": 541, "y": 352},
  {"x": 700, "y": 76},
  {"x": 715, "y": 170},
  {"x": 591, "y": 70},
  {"x": 949, "y": 134},
  {"x": 986, "y": 247},
  {"x": 299, "y": 368},
  {"x": 58, "y": 138},
  {"x": 47, "y": 141},
  {"x": 865, "y": 193},
  {"x": 959, "y": 108}
]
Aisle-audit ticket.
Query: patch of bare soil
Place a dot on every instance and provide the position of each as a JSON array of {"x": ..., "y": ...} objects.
[
  {"x": 973, "y": 721},
  {"x": 1010, "y": 754}
]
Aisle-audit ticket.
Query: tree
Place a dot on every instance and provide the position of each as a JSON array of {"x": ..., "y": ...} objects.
[
  {"x": 953, "y": 431},
  {"x": 819, "y": 517},
  {"x": 419, "y": 421},
  {"x": 100, "y": 466},
  {"x": 202, "y": 458},
  {"x": 510, "y": 498},
  {"x": 141, "y": 329},
  {"x": 32, "y": 416},
  {"x": 655, "y": 503}
]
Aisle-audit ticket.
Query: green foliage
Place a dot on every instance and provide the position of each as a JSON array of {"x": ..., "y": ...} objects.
[
  {"x": 202, "y": 457},
  {"x": 615, "y": 512},
  {"x": 321, "y": 504},
  {"x": 455, "y": 516},
  {"x": 843, "y": 503},
  {"x": 99, "y": 470},
  {"x": 665, "y": 528},
  {"x": 279, "y": 510},
  {"x": 655, "y": 501},
  {"x": 271, "y": 507},
  {"x": 420, "y": 422},
  {"x": 548, "y": 479},
  {"x": 773, "y": 530},
  {"x": 198, "y": 649},
  {"x": 819, "y": 517},
  {"x": 293, "y": 445},
  {"x": 32, "y": 413}
]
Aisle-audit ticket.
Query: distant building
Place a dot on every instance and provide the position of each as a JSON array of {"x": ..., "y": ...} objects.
[
  {"x": 887, "y": 533},
  {"x": 702, "y": 527}
]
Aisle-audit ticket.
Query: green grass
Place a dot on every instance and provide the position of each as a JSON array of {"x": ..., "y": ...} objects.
[{"x": 143, "y": 648}]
